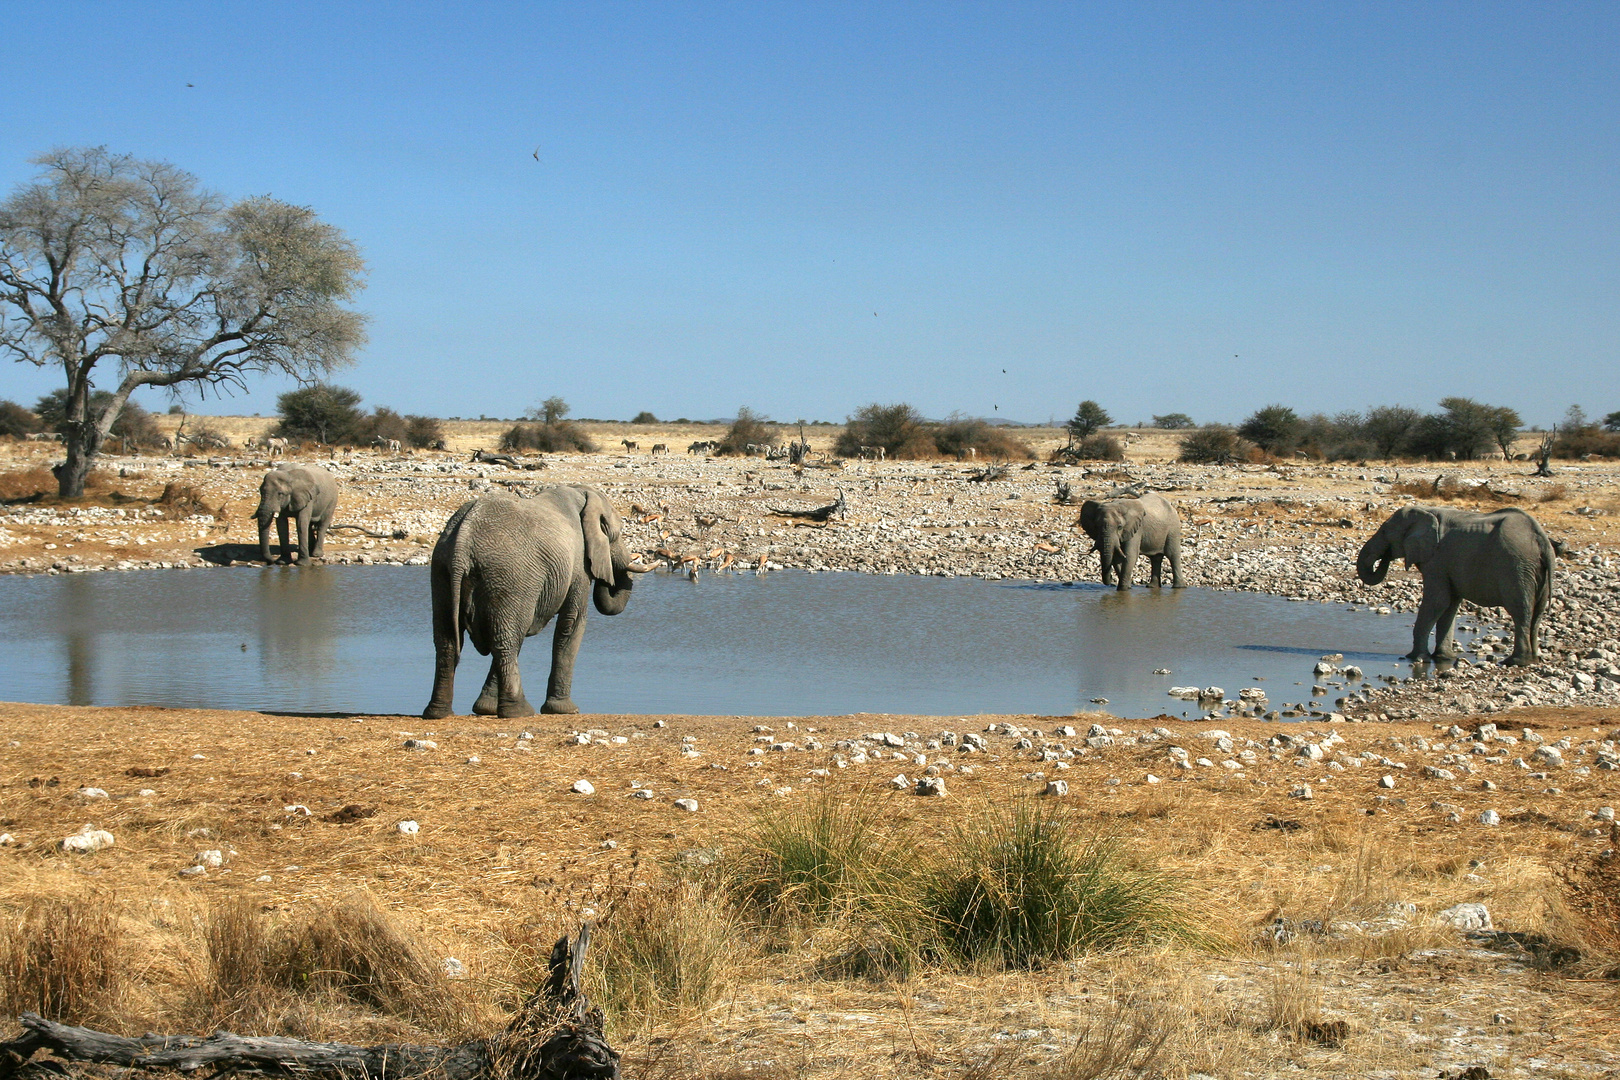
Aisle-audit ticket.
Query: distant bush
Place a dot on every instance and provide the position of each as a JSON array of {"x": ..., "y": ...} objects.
[
  {"x": 554, "y": 438},
  {"x": 1589, "y": 439},
  {"x": 1213, "y": 444},
  {"x": 644, "y": 417},
  {"x": 383, "y": 424},
  {"x": 1088, "y": 419},
  {"x": 1389, "y": 429},
  {"x": 1175, "y": 421},
  {"x": 1276, "y": 429},
  {"x": 134, "y": 423},
  {"x": 899, "y": 429},
  {"x": 326, "y": 414},
  {"x": 17, "y": 421},
  {"x": 959, "y": 434},
  {"x": 423, "y": 432},
  {"x": 749, "y": 429},
  {"x": 1098, "y": 447}
]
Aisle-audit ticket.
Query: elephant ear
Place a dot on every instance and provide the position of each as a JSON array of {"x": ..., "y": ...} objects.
[
  {"x": 1421, "y": 539},
  {"x": 1131, "y": 516},
  {"x": 1088, "y": 514},
  {"x": 600, "y": 524}
]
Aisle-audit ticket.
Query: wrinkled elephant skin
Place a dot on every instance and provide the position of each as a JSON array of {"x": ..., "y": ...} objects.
[
  {"x": 1126, "y": 528},
  {"x": 1501, "y": 559},
  {"x": 304, "y": 494},
  {"x": 503, "y": 568}
]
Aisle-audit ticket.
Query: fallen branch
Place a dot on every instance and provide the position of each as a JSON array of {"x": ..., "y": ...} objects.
[
  {"x": 820, "y": 513},
  {"x": 397, "y": 534},
  {"x": 557, "y": 1035}
]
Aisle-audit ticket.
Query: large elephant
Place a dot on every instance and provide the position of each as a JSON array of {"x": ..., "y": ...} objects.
[
  {"x": 1126, "y": 528},
  {"x": 308, "y": 495},
  {"x": 1501, "y": 559},
  {"x": 503, "y": 568}
]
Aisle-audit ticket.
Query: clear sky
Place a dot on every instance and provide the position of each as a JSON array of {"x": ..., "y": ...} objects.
[{"x": 997, "y": 208}]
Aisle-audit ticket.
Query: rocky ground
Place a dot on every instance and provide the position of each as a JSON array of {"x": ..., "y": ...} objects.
[
  {"x": 1289, "y": 530},
  {"x": 1397, "y": 886}
]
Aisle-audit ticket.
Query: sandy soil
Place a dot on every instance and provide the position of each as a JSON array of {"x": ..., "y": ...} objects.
[{"x": 1356, "y": 877}]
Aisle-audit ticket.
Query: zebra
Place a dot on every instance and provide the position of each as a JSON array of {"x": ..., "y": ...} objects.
[
  {"x": 628, "y": 445},
  {"x": 660, "y": 448}
]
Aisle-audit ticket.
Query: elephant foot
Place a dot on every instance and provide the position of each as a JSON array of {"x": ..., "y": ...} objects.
[
  {"x": 487, "y": 705},
  {"x": 435, "y": 711},
  {"x": 1521, "y": 661},
  {"x": 562, "y": 706},
  {"x": 511, "y": 710}
]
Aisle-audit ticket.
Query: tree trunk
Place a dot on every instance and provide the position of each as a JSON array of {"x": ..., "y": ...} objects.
[
  {"x": 80, "y": 441},
  {"x": 557, "y": 1035}
]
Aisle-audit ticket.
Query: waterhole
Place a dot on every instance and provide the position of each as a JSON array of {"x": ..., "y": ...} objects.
[{"x": 357, "y": 639}]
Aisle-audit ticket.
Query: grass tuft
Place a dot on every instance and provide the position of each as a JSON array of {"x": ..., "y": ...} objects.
[
  {"x": 815, "y": 859},
  {"x": 663, "y": 953},
  {"x": 62, "y": 959},
  {"x": 1028, "y": 888}
]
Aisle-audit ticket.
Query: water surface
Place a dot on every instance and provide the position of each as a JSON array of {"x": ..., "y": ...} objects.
[{"x": 357, "y": 639}]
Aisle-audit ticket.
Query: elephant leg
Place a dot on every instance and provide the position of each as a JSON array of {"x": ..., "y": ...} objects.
[
  {"x": 1524, "y": 618},
  {"x": 1156, "y": 571},
  {"x": 1444, "y": 647},
  {"x": 281, "y": 534},
  {"x": 503, "y": 672},
  {"x": 1173, "y": 550},
  {"x": 1429, "y": 609},
  {"x": 488, "y": 702},
  {"x": 565, "y": 641},
  {"x": 446, "y": 652},
  {"x": 1127, "y": 566},
  {"x": 317, "y": 539},
  {"x": 303, "y": 535}
]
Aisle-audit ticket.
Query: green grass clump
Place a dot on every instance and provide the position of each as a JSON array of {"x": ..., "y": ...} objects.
[
  {"x": 815, "y": 860},
  {"x": 661, "y": 953},
  {"x": 1027, "y": 887}
]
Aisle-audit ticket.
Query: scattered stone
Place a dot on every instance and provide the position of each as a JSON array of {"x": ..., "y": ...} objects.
[
  {"x": 92, "y": 793},
  {"x": 193, "y": 871},
  {"x": 688, "y": 805},
  {"x": 1490, "y": 817},
  {"x": 900, "y": 783},
  {"x": 583, "y": 787},
  {"x": 931, "y": 785},
  {"x": 408, "y": 828},
  {"x": 1386, "y": 782},
  {"x": 1303, "y": 791},
  {"x": 421, "y": 744},
  {"x": 86, "y": 840},
  {"x": 1467, "y": 917},
  {"x": 213, "y": 858},
  {"x": 641, "y": 793},
  {"x": 454, "y": 969},
  {"x": 1057, "y": 788}
]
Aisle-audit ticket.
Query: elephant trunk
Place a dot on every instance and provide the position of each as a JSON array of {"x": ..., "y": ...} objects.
[
  {"x": 1372, "y": 565},
  {"x": 264, "y": 537},
  {"x": 611, "y": 599},
  {"x": 1107, "y": 544}
]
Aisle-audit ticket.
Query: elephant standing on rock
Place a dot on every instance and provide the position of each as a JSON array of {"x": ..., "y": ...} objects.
[
  {"x": 1501, "y": 559},
  {"x": 1126, "y": 528},
  {"x": 305, "y": 493},
  {"x": 503, "y": 568}
]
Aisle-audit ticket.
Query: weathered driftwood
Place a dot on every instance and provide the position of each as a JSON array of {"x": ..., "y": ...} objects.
[
  {"x": 557, "y": 1035},
  {"x": 820, "y": 513}
]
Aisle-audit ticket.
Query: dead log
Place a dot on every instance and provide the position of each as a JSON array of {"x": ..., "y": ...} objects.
[
  {"x": 484, "y": 457},
  {"x": 557, "y": 1035},
  {"x": 820, "y": 513}
]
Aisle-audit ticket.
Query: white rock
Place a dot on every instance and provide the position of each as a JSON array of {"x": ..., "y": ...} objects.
[
  {"x": 92, "y": 793},
  {"x": 931, "y": 785},
  {"x": 1467, "y": 917},
  {"x": 1303, "y": 791},
  {"x": 296, "y": 809},
  {"x": 1489, "y": 817},
  {"x": 213, "y": 858},
  {"x": 474, "y": 760},
  {"x": 900, "y": 783},
  {"x": 1151, "y": 779},
  {"x": 1058, "y": 788},
  {"x": 421, "y": 744},
  {"x": 454, "y": 969},
  {"x": 408, "y": 828},
  {"x": 87, "y": 839},
  {"x": 583, "y": 787},
  {"x": 1605, "y": 813},
  {"x": 689, "y": 805},
  {"x": 1311, "y": 751},
  {"x": 193, "y": 871},
  {"x": 641, "y": 793},
  {"x": 7, "y": 840},
  {"x": 1386, "y": 781}
]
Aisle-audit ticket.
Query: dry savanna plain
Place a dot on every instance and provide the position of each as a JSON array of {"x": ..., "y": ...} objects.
[{"x": 1413, "y": 878}]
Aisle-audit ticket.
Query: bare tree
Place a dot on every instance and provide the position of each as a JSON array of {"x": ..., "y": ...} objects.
[{"x": 127, "y": 264}]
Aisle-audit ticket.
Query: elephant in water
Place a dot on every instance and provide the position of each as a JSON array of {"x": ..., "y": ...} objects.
[
  {"x": 1501, "y": 559},
  {"x": 503, "y": 568},
  {"x": 1126, "y": 528},
  {"x": 305, "y": 493}
]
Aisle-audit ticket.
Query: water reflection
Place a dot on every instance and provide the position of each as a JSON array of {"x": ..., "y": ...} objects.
[{"x": 349, "y": 638}]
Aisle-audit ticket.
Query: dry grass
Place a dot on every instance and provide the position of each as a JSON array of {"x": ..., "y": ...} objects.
[
  {"x": 664, "y": 953},
  {"x": 26, "y": 483},
  {"x": 63, "y": 959}
]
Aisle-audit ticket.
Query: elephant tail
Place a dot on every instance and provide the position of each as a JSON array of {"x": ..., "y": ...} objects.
[{"x": 1544, "y": 587}]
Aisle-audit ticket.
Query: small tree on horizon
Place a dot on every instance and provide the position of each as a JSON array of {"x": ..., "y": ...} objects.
[
  {"x": 644, "y": 417},
  {"x": 1176, "y": 421},
  {"x": 1612, "y": 422},
  {"x": 327, "y": 414},
  {"x": 1087, "y": 420},
  {"x": 109, "y": 262},
  {"x": 1276, "y": 429},
  {"x": 549, "y": 411}
]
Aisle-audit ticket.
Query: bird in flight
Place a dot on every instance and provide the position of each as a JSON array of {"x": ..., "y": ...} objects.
[
  {"x": 191, "y": 84},
  {"x": 537, "y": 153}
]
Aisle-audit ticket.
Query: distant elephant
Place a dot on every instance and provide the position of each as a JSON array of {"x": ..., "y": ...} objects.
[
  {"x": 1125, "y": 528},
  {"x": 305, "y": 493},
  {"x": 1501, "y": 559},
  {"x": 503, "y": 568}
]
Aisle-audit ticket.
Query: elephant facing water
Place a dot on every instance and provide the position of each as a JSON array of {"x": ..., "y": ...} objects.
[
  {"x": 1501, "y": 559},
  {"x": 505, "y": 567},
  {"x": 307, "y": 495},
  {"x": 1126, "y": 528}
]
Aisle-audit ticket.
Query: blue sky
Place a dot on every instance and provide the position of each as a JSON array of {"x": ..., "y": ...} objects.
[{"x": 993, "y": 208}]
